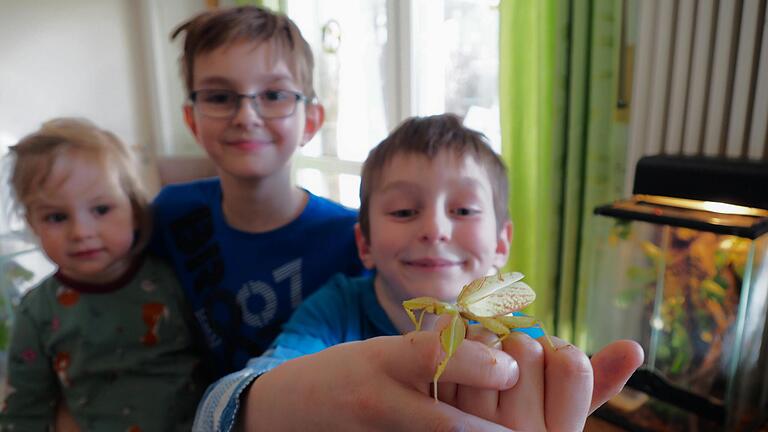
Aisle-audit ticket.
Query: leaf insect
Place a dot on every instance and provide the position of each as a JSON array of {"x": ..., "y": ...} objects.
[{"x": 489, "y": 301}]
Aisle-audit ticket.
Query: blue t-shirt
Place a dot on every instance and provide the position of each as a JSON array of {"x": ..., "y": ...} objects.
[
  {"x": 343, "y": 310},
  {"x": 243, "y": 286}
]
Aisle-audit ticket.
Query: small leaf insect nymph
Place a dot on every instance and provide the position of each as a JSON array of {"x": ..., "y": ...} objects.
[{"x": 489, "y": 301}]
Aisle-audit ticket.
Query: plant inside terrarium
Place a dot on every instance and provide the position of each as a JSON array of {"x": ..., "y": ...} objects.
[{"x": 694, "y": 315}]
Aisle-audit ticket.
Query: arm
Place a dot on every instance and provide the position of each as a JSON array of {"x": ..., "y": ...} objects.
[
  {"x": 32, "y": 389},
  {"x": 316, "y": 325},
  {"x": 321, "y": 321}
]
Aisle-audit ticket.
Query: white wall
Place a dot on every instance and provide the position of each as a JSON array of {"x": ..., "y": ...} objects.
[
  {"x": 110, "y": 61},
  {"x": 71, "y": 58},
  {"x": 167, "y": 92}
]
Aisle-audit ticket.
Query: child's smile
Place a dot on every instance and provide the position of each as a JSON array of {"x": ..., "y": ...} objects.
[
  {"x": 434, "y": 263},
  {"x": 250, "y": 144}
]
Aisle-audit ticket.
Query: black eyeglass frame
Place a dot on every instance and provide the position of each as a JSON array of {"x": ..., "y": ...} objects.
[{"x": 253, "y": 102}]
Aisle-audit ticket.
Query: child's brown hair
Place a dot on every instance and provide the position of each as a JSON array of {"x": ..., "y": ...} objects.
[
  {"x": 219, "y": 27},
  {"x": 35, "y": 155},
  {"x": 428, "y": 136}
]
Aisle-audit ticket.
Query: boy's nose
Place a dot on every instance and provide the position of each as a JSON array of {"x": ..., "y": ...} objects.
[
  {"x": 247, "y": 114},
  {"x": 436, "y": 227}
]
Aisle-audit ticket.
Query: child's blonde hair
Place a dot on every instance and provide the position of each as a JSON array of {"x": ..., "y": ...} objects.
[
  {"x": 34, "y": 157},
  {"x": 428, "y": 136},
  {"x": 220, "y": 27}
]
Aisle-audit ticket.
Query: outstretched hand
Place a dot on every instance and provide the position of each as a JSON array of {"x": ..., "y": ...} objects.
[
  {"x": 384, "y": 384},
  {"x": 378, "y": 384}
]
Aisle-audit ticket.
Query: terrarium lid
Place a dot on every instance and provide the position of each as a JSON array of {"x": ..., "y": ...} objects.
[
  {"x": 733, "y": 181},
  {"x": 690, "y": 192}
]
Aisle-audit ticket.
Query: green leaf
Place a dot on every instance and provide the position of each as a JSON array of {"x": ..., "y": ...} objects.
[
  {"x": 713, "y": 290},
  {"x": 622, "y": 228},
  {"x": 643, "y": 275},
  {"x": 628, "y": 296}
]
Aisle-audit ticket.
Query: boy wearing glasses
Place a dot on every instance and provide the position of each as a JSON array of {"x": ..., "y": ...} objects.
[{"x": 249, "y": 245}]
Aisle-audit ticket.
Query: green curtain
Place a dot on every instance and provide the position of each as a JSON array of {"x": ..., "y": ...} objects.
[
  {"x": 601, "y": 150},
  {"x": 526, "y": 75},
  {"x": 562, "y": 142}
]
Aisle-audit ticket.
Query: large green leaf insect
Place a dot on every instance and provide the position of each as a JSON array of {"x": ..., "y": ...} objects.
[{"x": 488, "y": 300}]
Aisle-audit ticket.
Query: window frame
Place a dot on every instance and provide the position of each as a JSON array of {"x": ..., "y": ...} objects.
[{"x": 399, "y": 104}]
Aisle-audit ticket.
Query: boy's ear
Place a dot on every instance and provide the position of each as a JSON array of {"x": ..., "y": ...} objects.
[
  {"x": 315, "y": 117},
  {"x": 502, "y": 244},
  {"x": 363, "y": 248},
  {"x": 189, "y": 118}
]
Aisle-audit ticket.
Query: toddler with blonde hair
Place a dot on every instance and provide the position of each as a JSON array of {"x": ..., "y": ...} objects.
[{"x": 107, "y": 334}]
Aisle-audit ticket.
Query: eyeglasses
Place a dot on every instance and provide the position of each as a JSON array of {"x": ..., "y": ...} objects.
[{"x": 269, "y": 104}]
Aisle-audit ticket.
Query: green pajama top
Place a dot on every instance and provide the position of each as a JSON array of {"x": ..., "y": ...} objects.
[{"x": 121, "y": 355}]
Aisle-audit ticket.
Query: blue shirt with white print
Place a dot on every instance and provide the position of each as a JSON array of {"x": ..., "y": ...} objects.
[{"x": 242, "y": 287}]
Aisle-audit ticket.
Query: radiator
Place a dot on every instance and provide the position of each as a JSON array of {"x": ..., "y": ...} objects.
[{"x": 700, "y": 80}]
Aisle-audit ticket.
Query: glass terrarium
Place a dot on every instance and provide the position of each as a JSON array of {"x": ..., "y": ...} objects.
[{"x": 682, "y": 268}]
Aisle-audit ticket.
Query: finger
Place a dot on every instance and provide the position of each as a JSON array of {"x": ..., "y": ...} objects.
[
  {"x": 446, "y": 392},
  {"x": 476, "y": 401},
  {"x": 478, "y": 333},
  {"x": 473, "y": 400},
  {"x": 568, "y": 384},
  {"x": 423, "y": 414},
  {"x": 472, "y": 364},
  {"x": 522, "y": 406},
  {"x": 612, "y": 367}
]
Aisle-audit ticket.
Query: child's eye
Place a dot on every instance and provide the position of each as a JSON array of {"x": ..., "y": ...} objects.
[
  {"x": 55, "y": 217},
  {"x": 464, "y": 211},
  {"x": 403, "y": 213},
  {"x": 275, "y": 95},
  {"x": 101, "y": 209},
  {"x": 218, "y": 97}
]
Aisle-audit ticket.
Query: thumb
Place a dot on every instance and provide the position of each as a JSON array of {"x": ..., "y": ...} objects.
[{"x": 613, "y": 366}]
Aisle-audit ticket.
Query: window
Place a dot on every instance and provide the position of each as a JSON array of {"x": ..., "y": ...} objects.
[{"x": 380, "y": 61}]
